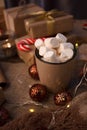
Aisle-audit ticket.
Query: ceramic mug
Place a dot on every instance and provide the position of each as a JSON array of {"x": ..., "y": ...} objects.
[{"x": 55, "y": 76}]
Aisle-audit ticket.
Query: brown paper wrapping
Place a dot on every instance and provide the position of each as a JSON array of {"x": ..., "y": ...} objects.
[
  {"x": 3, "y": 79},
  {"x": 14, "y": 17},
  {"x": 27, "y": 57},
  {"x": 40, "y": 28}
]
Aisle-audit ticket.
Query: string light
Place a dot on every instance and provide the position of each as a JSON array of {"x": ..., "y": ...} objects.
[
  {"x": 31, "y": 110},
  {"x": 76, "y": 45},
  {"x": 83, "y": 78},
  {"x": 68, "y": 106}
]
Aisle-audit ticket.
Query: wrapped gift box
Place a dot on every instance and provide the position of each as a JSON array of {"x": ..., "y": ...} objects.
[
  {"x": 2, "y": 20},
  {"x": 26, "y": 56},
  {"x": 14, "y": 17},
  {"x": 49, "y": 25}
]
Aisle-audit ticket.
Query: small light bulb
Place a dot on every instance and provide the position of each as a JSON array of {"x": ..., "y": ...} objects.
[
  {"x": 76, "y": 45},
  {"x": 68, "y": 106},
  {"x": 31, "y": 110}
]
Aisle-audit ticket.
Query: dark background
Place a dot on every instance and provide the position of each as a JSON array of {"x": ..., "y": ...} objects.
[{"x": 76, "y": 7}]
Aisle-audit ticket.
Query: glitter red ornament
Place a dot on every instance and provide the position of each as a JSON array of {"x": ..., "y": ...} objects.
[
  {"x": 4, "y": 116},
  {"x": 38, "y": 92},
  {"x": 62, "y": 98},
  {"x": 33, "y": 72}
]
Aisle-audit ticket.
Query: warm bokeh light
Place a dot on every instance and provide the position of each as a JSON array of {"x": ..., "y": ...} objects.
[
  {"x": 76, "y": 45},
  {"x": 68, "y": 106},
  {"x": 9, "y": 45},
  {"x": 31, "y": 110}
]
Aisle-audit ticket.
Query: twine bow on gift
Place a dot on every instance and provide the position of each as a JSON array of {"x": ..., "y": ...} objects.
[{"x": 48, "y": 16}]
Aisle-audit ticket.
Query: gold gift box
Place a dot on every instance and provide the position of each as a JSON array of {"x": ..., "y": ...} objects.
[
  {"x": 42, "y": 24},
  {"x": 15, "y": 16}
]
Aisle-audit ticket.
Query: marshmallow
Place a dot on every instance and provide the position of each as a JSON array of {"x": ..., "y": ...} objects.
[
  {"x": 38, "y": 43},
  {"x": 60, "y": 49},
  {"x": 57, "y": 59},
  {"x": 66, "y": 55},
  {"x": 61, "y": 37},
  {"x": 43, "y": 50},
  {"x": 49, "y": 56},
  {"x": 68, "y": 45},
  {"x": 51, "y": 42},
  {"x": 55, "y": 49}
]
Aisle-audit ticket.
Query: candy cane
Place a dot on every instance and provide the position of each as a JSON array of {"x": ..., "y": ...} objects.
[{"x": 24, "y": 45}]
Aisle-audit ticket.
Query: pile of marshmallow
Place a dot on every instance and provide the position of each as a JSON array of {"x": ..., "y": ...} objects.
[{"x": 55, "y": 49}]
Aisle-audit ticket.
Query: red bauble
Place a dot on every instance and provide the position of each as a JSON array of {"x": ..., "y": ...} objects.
[
  {"x": 62, "y": 98},
  {"x": 38, "y": 92},
  {"x": 33, "y": 72},
  {"x": 4, "y": 116}
]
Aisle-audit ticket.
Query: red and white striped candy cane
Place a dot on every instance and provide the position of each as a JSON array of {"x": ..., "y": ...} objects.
[{"x": 24, "y": 45}]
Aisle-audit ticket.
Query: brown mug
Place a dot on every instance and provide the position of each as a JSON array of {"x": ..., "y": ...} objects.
[{"x": 55, "y": 76}]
